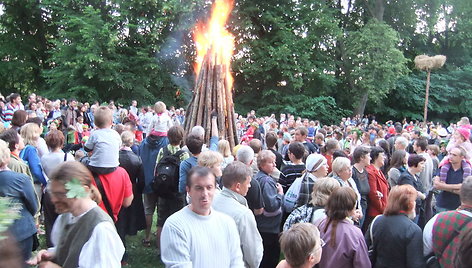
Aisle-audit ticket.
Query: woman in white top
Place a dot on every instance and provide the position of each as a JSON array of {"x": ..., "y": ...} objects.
[
  {"x": 342, "y": 172},
  {"x": 84, "y": 235}
]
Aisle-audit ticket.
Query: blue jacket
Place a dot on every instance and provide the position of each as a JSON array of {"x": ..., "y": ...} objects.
[
  {"x": 30, "y": 155},
  {"x": 148, "y": 151},
  {"x": 185, "y": 167},
  {"x": 19, "y": 188}
]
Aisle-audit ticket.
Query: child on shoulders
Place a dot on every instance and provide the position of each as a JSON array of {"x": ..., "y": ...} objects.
[
  {"x": 104, "y": 143},
  {"x": 161, "y": 121}
]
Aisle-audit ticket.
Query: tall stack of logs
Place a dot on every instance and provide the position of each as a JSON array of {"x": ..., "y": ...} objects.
[{"x": 213, "y": 92}]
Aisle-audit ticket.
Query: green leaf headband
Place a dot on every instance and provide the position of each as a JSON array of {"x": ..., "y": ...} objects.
[{"x": 75, "y": 189}]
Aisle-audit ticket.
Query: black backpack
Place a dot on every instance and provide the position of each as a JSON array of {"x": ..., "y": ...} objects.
[{"x": 166, "y": 174}]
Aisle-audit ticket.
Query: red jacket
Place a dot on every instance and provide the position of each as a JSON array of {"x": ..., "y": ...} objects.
[{"x": 377, "y": 182}]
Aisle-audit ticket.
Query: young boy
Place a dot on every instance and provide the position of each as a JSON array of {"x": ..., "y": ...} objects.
[
  {"x": 104, "y": 142},
  {"x": 168, "y": 206},
  {"x": 294, "y": 169}
]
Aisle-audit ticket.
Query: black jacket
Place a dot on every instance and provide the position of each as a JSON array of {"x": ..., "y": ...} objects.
[
  {"x": 407, "y": 178},
  {"x": 398, "y": 242}
]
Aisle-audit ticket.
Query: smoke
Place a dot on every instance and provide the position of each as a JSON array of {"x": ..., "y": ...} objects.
[{"x": 175, "y": 55}]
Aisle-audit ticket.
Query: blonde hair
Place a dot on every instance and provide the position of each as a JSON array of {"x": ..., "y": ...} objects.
[
  {"x": 103, "y": 117},
  {"x": 127, "y": 138},
  {"x": 263, "y": 157},
  {"x": 299, "y": 242},
  {"x": 340, "y": 163},
  {"x": 322, "y": 189},
  {"x": 30, "y": 133},
  {"x": 159, "y": 107},
  {"x": 209, "y": 159},
  {"x": 223, "y": 148},
  {"x": 4, "y": 153}
]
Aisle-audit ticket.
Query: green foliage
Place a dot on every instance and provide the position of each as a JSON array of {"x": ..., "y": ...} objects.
[
  {"x": 23, "y": 46},
  {"x": 323, "y": 108},
  {"x": 288, "y": 54},
  {"x": 375, "y": 61},
  {"x": 75, "y": 189},
  {"x": 291, "y": 43},
  {"x": 449, "y": 98},
  {"x": 9, "y": 212}
]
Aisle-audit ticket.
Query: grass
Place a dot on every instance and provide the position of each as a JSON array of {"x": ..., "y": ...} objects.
[{"x": 140, "y": 256}]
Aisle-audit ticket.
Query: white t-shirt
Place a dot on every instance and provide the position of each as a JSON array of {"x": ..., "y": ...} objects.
[
  {"x": 105, "y": 144},
  {"x": 160, "y": 123}
]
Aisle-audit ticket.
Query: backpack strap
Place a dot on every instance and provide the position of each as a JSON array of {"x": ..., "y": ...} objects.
[
  {"x": 165, "y": 151},
  {"x": 105, "y": 201},
  {"x": 371, "y": 228},
  {"x": 179, "y": 153}
]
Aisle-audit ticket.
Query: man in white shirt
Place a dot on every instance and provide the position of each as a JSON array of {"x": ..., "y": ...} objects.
[
  {"x": 236, "y": 180},
  {"x": 197, "y": 235}
]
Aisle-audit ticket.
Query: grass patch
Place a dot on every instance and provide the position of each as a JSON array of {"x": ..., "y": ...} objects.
[{"x": 140, "y": 256}]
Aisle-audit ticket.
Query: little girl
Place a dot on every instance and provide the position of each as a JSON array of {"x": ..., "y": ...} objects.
[{"x": 161, "y": 121}]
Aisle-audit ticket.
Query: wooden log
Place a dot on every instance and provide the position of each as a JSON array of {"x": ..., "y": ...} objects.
[
  {"x": 230, "y": 116},
  {"x": 201, "y": 101},
  {"x": 223, "y": 101},
  {"x": 219, "y": 90},
  {"x": 198, "y": 87},
  {"x": 197, "y": 93},
  {"x": 207, "y": 107}
]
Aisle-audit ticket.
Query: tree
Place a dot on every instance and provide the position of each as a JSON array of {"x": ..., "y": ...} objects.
[
  {"x": 373, "y": 63},
  {"x": 23, "y": 46},
  {"x": 282, "y": 51},
  {"x": 83, "y": 59}
]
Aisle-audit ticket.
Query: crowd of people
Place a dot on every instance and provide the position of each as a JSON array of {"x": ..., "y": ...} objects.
[{"x": 355, "y": 194}]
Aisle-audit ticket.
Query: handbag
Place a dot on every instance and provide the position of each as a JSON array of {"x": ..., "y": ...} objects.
[{"x": 371, "y": 250}]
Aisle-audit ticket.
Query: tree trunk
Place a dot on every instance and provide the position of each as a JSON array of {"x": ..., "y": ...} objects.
[
  {"x": 362, "y": 103},
  {"x": 426, "y": 98}
]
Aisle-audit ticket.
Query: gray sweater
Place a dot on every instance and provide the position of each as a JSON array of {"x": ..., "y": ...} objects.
[{"x": 269, "y": 221}]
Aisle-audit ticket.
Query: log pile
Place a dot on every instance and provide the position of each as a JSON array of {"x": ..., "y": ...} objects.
[{"x": 213, "y": 92}]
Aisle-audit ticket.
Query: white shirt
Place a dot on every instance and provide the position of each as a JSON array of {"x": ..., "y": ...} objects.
[
  {"x": 103, "y": 249},
  {"x": 192, "y": 240}
]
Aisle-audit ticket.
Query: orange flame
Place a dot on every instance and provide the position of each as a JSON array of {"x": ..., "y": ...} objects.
[{"x": 212, "y": 37}]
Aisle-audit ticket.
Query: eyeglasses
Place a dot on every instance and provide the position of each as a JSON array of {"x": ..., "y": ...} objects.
[
  {"x": 58, "y": 195},
  {"x": 323, "y": 243}
]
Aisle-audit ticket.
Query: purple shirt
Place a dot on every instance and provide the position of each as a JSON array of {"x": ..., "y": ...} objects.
[{"x": 350, "y": 250}]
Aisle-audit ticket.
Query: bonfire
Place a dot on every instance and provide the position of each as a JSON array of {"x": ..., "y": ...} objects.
[{"x": 214, "y": 82}]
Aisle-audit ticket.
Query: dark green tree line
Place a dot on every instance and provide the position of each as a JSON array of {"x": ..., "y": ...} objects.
[{"x": 323, "y": 59}]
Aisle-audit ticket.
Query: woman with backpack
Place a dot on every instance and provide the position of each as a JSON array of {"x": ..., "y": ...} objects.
[{"x": 313, "y": 211}]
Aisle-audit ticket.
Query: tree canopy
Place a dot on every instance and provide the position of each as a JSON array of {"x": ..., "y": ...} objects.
[{"x": 316, "y": 59}]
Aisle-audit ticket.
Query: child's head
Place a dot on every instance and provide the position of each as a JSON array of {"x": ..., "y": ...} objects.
[
  {"x": 301, "y": 244},
  {"x": 103, "y": 117},
  {"x": 159, "y": 107},
  {"x": 127, "y": 138},
  {"x": 224, "y": 148},
  {"x": 175, "y": 135},
  {"x": 433, "y": 150},
  {"x": 80, "y": 119}
]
